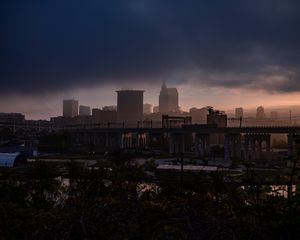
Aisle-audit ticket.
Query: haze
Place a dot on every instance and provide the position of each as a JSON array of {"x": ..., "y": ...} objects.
[{"x": 220, "y": 53}]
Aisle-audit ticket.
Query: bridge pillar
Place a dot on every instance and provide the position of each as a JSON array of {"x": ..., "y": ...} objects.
[
  {"x": 249, "y": 147},
  {"x": 290, "y": 145},
  {"x": 254, "y": 146},
  {"x": 227, "y": 150},
  {"x": 259, "y": 147},
  {"x": 141, "y": 140},
  {"x": 268, "y": 144},
  {"x": 201, "y": 144},
  {"x": 176, "y": 143},
  {"x": 126, "y": 140},
  {"x": 107, "y": 140},
  {"x": 232, "y": 147}
]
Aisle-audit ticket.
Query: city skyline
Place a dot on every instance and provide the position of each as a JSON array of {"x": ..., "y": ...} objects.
[
  {"x": 46, "y": 109},
  {"x": 245, "y": 52}
]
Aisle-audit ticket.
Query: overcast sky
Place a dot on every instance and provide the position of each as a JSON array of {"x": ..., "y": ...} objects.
[{"x": 221, "y": 53}]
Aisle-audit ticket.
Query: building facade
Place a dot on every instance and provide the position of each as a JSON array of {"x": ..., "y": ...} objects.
[
  {"x": 239, "y": 112},
  {"x": 84, "y": 110},
  {"x": 260, "y": 113},
  {"x": 168, "y": 99},
  {"x": 147, "y": 108},
  {"x": 130, "y": 106},
  {"x": 199, "y": 115},
  {"x": 70, "y": 108}
]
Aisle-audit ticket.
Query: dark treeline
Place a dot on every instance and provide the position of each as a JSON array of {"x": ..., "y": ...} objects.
[{"x": 117, "y": 200}]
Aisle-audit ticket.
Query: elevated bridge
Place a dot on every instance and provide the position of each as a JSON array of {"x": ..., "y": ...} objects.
[{"x": 237, "y": 142}]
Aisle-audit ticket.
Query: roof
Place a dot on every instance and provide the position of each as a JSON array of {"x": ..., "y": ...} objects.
[
  {"x": 129, "y": 90},
  {"x": 172, "y": 91},
  {"x": 187, "y": 167},
  {"x": 11, "y": 159}
]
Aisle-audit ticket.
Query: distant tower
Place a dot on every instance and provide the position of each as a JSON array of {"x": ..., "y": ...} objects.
[
  {"x": 70, "y": 108},
  {"x": 155, "y": 109},
  {"x": 260, "y": 113},
  {"x": 84, "y": 110},
  {"x": 147, "y": 108},
  {"x": 168, "y": 99},
  {"x": 239, "y": 112},
  {"x": 274, "y": 115},
  {"x": 130, "y": 106}
]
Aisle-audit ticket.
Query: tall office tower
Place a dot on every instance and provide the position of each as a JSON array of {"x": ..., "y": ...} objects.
[
  {"x": 168, "y": 99},
  {"x": 260, "y": 113},
  {"x": 84, "y": 110},
  {"x": 147, "y": 108},
  {"x": 239, "y": 112},
  {"x": 70, "y": 108},
  {"x": 130, "y": 106}
]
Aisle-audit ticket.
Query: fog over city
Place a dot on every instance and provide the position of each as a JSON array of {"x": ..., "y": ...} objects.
[
  {"x": 149, "y": 119},
  {"x": 216, "y": 53}
]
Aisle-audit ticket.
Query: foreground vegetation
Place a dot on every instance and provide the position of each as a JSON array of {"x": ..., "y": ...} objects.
[{"x": 118, "y": 199}]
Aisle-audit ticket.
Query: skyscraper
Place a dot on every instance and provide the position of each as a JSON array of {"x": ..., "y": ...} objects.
[
  {"x": 260, "y": 112},
  {"x": 130, "y": 106},
  {"x": 239, "y": 112},
  {"x": 84, "y": 110},
  {"x": 70, "y": 108},
  {"x": 168, "y": 99}
]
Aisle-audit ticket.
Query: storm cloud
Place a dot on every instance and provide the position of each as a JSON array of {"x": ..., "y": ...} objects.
[{"x": 56, "y": 45}]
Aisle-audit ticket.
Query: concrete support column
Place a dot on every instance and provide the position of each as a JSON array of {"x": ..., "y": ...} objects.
[
  {"x": 171, "y": 144},
  {"x": 126, "y": 140},
  {"x": 259, "y": 148},
  {"x": 182, "y": 144},
  {"x": 197, "y": 148},
  {"x": 107, "y": 142},
  {"x": 246, "y": 146},
  {"x": 227, "y": 147},
  {"x": 123, "y": 141},
  {"x": 268, "y": 144},
  {"x": 130, "y": 140},
  {"x": 290, "y": 145},
  {"x": 176, "y": 143},
  {"x": 252, "y": 149},
  {"x": 120, "y": 140},
  {"x": 200, "y": 144},
  {"x": 141, "y": 140},
  {"x": 232, "y": 146},
  {"x": 207, "y": 144},
  {"x": 238, "y": 146}
]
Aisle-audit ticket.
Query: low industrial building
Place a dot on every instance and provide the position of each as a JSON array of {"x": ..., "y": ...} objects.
[{"x": 12, "y": 160}]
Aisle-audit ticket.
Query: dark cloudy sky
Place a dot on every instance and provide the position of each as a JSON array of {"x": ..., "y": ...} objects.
[{"x": 223, "y": 53}]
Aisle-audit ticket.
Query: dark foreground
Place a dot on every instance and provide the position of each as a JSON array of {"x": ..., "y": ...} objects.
[{"x": 118, "y": 199}]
